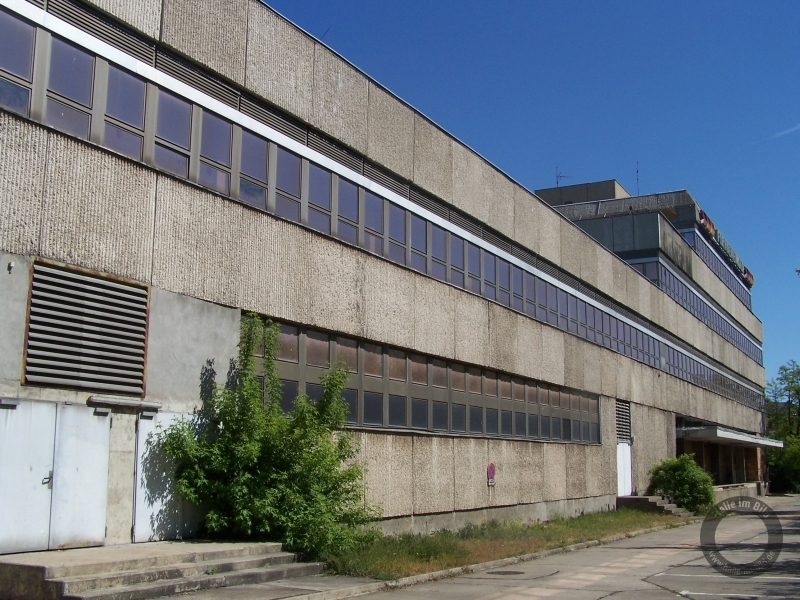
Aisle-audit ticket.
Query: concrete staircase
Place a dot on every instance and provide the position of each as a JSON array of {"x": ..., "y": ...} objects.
[
  {"x": 156, "y": 575},
  {"x": 651, "y": 504}
]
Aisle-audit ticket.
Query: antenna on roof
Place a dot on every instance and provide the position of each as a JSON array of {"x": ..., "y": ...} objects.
[
  {"x": 560, "y": 176},
  {"x": 637, "y": 178}
]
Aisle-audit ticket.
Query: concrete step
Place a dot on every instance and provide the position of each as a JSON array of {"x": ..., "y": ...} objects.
[
  {"x": 160, "y": 560},
  {"x": 114, "y": 579},
  {"x": 651, "y": 504},
  {"x": 144, "y": 591}
]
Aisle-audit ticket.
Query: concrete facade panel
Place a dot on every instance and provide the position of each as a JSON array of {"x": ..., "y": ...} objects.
[
  {"x": 389, "y": 473},
  {"x": 280, "y": 61},
  {"x": 121, "y": 478},
  {"x": 390, "y": 132},
  {"x": 553, "y": 355},
  {"x": 576, "y": 460},
  {"x": 472, "y": 329},
  {"x": 468, "y": 183},
  {"x": 502, "y": 338},
  {"x": 98, "y": 210},
  {"x": 605, "y": 271},
  {"x": 341, "y": 97},
  {"x": 587, "y": 250},
  {"x": 607, "y": 481},
  {"x": 470, "y": 458},
  {"x": 434, "y": 317},
  {"x": 191, "y": 343},
  {"x": 23, "y": 155},
  {"x": 498, "y": 193},
  {"x": 433, "y": 159},
  {"x": 654, "y": 431},
  {"x": 571, "y": 238},
  {"x": 574, "y": 362},
  {"x": 592, "y": 368},
  {"x": 433, "y": 475},
  {"x": 549, "y": 233},
  {"x": 529, "y": 348},
  {"x": 14, "y": 300},
  {"x": 555, "y": 467},
  {"x": 608, "y": 377},
  {"x": 508, "y": 462},
  {"x": 389, "y": 303},
  {"x": 531, "y": 473},
  {"x": 526, "y": 223},
  {"x": 144, "y": 15},
  {"x": 212, "y": 32}
]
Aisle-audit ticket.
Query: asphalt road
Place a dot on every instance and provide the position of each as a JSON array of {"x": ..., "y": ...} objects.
[{"x": 660, "y": 565}]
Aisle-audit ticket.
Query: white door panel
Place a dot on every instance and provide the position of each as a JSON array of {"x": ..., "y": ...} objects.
[
  {"x": 160, "y": 514},
  {"x": 624, "y": 482},
  {"x": 80, "y": 478},
  {"x": 27, "y": 432}
]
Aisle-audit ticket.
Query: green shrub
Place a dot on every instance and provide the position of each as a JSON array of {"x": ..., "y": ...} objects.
[
  {"x": 784, "y": 466},
  {"x": 261, "y": 474},
  {"x": 683, "y": 482}
]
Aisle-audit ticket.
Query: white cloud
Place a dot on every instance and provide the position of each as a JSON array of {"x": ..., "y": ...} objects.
[{"x": 787, "y": 131}]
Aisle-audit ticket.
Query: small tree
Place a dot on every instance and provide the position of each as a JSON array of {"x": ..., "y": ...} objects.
[
  {"x": 261, "y": 474},
  {"x": 683, "y": 482}
]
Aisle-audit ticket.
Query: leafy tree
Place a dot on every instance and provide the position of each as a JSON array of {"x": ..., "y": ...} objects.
[
  {"x": 261, "y": 474},
  {"x": 782, "y": 405},
  {"x": 684, "y": 482}
]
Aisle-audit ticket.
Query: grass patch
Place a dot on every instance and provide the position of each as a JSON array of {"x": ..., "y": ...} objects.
[{"x": 394, "y": 556}]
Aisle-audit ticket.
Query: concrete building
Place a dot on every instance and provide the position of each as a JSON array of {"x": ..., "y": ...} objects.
[{"x": 166, "y": 165}]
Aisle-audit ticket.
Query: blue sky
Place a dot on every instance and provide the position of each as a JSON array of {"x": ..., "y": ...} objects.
[{"x": 705, "y": 96}]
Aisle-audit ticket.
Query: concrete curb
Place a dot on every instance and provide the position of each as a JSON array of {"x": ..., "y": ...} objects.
[{"x": 379, "y": 586}]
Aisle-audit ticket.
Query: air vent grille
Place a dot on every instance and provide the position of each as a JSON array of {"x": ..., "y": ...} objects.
[
  {"x": 190, "y": 76},
  {"x": 496, "y": 240},
  {"x": 102, "y": 28},
  {"x": 465, "y": 223},
  {"x": 39, "y": 3},
  {"x": 86, "y": 332},
  {"x": 274, "y": 119},
  {"x": 335, "y": 151},
  {"x": 623, "y": 421},
  {"x": 430, "y": 204},
  {"x": 385, "y": 178}
]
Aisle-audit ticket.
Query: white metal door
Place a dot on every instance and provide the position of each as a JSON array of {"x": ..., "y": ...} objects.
[
  {"x": 27, "y": 432},
  {"x": 159, "y": 513},
  {"x": 80, "y": 478},
  {"x": 624, "y": 483}
]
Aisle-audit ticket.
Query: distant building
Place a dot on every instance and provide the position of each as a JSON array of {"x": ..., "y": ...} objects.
[{"x": 165, "y": 168}]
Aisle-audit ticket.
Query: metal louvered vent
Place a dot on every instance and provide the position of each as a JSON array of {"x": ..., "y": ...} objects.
[
  {"x": 39, "y": 3},
  {"x": 385, "y": 178},
  {"x": 100, "y": 27},
  {"x": 496, "y": 240},
  {"x": 86, "y": 332},
  {"x": 274, "y": 119},
  {"x": 623, "y": 421},
  {"x": 465, "y": 223},
  {"x": 432, "y": 205},
  {"x": 193, "y": 77},
  {"x": 524, "y": 255},
  {"x": 333, "y": 150}
]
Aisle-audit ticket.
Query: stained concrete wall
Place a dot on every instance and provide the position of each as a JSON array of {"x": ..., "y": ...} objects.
[
  {"x": 14, "y": 284},
  {"x": 654, "y": 433}
]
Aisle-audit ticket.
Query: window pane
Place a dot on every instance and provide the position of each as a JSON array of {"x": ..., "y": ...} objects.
[
  {"x": 288, "y": 395},
  {"x": 122, "y": 141},
  {"x": 419, "y": 369},
  {"x": 216, "y": 142},
  {"x": 214, "y": 178},
  {"x": 288, "y": 177},
  {"x": 347, "y": 351},
  {"x": 174, "y": 119},
  {"x": 348, "y": 233},
  {"x": 397, "y": 224},
  {"x": 516, "y": 276},
  {"x": 544, "y": 422},
  {"x": 14, "y": 97},
  {"x": 458, "y": 378},
  {"x": 317, "y": 351},
  {"x": 574, "y": 402},
  {"x": 555, "y": 428},
  {"x": 287, "y": 208},
  {"x": 594, "y": 433},
  {"x": 71, "y": 72},
  {"x": 373, "y": 212},
  {"x": 397, "y": 253},
  {"x": 288, "y": 350},
  {"x": 419, "y": 262},
  {"x": 586, "y": 433},
  {"x": 351, "y": 400},
  {"x": 438, "y": 270},
  {"x": 566, "y": 430},
  {"x": 503, "y": 279},
  {"x": 474, "y": 380},
  {"x": 505, "y": 386},
  {"x": 519, "y": 424},
  {"x": 319, "y": 220},
  {"x": 67, "y": 119},
  {"x": 576, "y": 430},
  {"x": 314, "y": 391},
  {"x": 519, "y": 390},
  {"x": 555, "y": 398},
  {"x": 373, "y": 408},
  {"x": 474, "y": 259},
  {"x": 171, "y": 161},
  {"x": 474, "y": 285},
  {"x": 440, "y": 416},
  {"x": 438, "y": 243},
  {"x": 419, "y": 413},
  {"x": 254, "y": 156},
  {"x": 16, "y": 46},
  {"x": 252, "y": 194},
  {"x": 489, "y": 291},
  {"x": 488, "y": 267},
  {"x": 348, "y": 200},
  {"x": 419, "y": 234},
  {"x": 491, "y": 420},
  {"x": 397, "y": 364},
  {"x": 319, "y": 187},
  {"x": 458, "y": 416},
  {"x": 373, "y": 243},
  {"x": 490, "y": 383},
  {"x": 475, "y": 419},
  {"x": 438, "y": 373},
  {"x": 456, "y": 278},
  {"x": 505, "y": 422},
  {"x": 397, "y": 411},
  {"x": 125, "y": 97},
  {"x": 373, "y": 360},
  {"x": 533, "y": 426},
  {"x": 544, "y": 395},
  {"x": 456, "y": 252}
]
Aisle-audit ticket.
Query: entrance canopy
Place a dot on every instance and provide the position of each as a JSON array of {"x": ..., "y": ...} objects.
[{"x": 721, "y": 435}]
